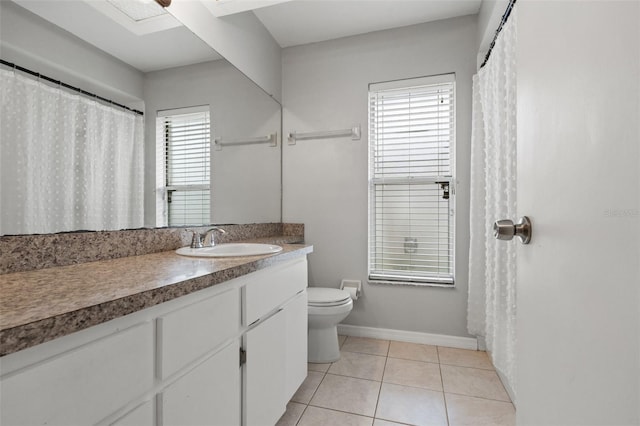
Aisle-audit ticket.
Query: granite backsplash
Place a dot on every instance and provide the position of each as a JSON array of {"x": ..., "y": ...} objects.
[{"x": 22, "y": 253}]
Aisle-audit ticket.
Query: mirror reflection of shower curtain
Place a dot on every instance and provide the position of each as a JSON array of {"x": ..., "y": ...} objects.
[
  {"x": 67, "y": 161},
  {"x": 492, "y": 263}
]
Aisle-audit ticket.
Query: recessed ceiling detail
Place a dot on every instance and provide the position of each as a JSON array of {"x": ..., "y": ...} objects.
[
  {"x": 220, "y": 8},
  {"x": 138, "y": 16},
  {"x": 138, "y": 10}
]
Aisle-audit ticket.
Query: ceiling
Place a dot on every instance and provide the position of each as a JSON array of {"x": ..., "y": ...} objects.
[
  {"x": 162, "y": 42},
  {"x": 308, "y": 21}
]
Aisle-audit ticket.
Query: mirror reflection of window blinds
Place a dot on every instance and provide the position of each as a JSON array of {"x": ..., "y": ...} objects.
[
  {"x": 411, "y": 225},
  {"x": 187, "y": 172}
]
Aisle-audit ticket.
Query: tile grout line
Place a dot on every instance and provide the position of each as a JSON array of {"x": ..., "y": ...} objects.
[
  {"x": 302, "y": 414},
  {"x": 386, "y": 358},
  {"x": 314, "y": 394},
  {"x": 341, "y": 411},
  {"x": 444, "y": 394},
  {"x": 324, "y": 375},
  {"x": 479, "y": 397},
  {"x": 357, "y": 378},
  {"x": 466, "y": 366},
  {"x": 419, "y": 387},
  {"x": 414, "y": 360}
]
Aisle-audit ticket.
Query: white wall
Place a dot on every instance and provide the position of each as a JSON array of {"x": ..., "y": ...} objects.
[
  {"x": 325, "y": 181},
  {"x": 489, "y": 18},
  {"x": 240, "y": 38},
  {"x": 31, "y": 42},
  {"x": 245, "y": 179}
]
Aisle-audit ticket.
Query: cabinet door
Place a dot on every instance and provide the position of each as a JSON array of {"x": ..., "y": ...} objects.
[
  {"x": 207, "y": 395},
  {"x": 83, "y": 385},
  {"x": 264, "y": 378},
  {"x": 296, "y": 343}
]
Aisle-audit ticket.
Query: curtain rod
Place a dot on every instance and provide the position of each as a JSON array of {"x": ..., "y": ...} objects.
[
  {"x": 504, "y": 19},
  {"x": 65, "y": 85}
]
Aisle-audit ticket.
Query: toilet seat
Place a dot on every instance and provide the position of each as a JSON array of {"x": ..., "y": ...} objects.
[{"x": 327, "y": 297}]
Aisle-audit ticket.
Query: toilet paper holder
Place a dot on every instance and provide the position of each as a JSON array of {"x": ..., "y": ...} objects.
[{"x": 349, "y": 285}]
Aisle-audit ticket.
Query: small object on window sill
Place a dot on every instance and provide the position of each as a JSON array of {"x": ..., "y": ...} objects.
[
  {"x": 445, "y": 188},
  {"x": 410, "y": 245}
]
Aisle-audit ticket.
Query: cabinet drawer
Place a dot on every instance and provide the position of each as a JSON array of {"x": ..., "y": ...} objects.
[
  {"x": 192, "y": 331},
  {"x": 269, "y": 290},
  {"x": 82, "y": 386}
]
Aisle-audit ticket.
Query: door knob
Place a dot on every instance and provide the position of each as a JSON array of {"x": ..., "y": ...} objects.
[{"x": 505, "y": 230}]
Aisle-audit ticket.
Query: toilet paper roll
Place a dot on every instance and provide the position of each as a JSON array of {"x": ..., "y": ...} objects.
[{"x": 353, "y": 292}]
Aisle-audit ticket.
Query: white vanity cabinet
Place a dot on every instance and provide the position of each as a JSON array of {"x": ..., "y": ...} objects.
[{"x": 177, "y": 363}]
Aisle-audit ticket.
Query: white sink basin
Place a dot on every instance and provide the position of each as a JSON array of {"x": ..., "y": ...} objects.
[{"x": 230, "y": 250}]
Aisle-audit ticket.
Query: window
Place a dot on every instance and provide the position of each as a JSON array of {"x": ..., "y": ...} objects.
[
  {"x": 184, "y": 169},
  {"x": 411, "y": 183}
]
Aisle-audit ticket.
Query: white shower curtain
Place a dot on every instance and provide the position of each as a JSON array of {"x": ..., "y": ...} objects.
[
  {"x": 67, "y": 161},
  {"x": 492, "y": 263}
]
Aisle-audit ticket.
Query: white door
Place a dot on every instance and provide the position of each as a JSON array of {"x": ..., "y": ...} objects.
[{"x": 578, "y": 179}]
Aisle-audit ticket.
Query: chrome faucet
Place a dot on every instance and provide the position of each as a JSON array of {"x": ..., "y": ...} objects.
[{"x": 206, "y": 239}]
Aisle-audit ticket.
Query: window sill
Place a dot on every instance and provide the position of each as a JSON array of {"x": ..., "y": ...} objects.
[{"x": 412, "y": 283}]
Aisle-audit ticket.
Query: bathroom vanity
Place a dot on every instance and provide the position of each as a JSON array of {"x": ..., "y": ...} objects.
[{"x": 155, "y": 339}]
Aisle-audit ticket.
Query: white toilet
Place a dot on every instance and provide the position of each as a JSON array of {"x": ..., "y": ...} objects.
[{"x": 327, "y": 307}]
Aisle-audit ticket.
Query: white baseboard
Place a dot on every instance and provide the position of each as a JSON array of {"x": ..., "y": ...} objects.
[
  {"x": 409, "y": 336},
  {"x": 482, "y": 343}
]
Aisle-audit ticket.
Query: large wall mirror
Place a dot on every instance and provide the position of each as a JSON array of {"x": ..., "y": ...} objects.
[{"x": 154, "y": 65}]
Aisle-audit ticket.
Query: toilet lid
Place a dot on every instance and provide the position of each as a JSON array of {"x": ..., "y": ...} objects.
[{"x": 322, "y": 296}]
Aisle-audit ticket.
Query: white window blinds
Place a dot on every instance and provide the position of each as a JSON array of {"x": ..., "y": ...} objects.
[
  {"x": 411, "y": 223},
  {"x": 187, "y": 174}
]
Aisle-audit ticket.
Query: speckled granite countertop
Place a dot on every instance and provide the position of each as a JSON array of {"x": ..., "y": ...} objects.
[{"x": 41, "y": 305}]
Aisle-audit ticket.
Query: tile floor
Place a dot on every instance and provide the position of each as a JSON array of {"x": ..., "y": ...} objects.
[{"x": 386, "y": 383}]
